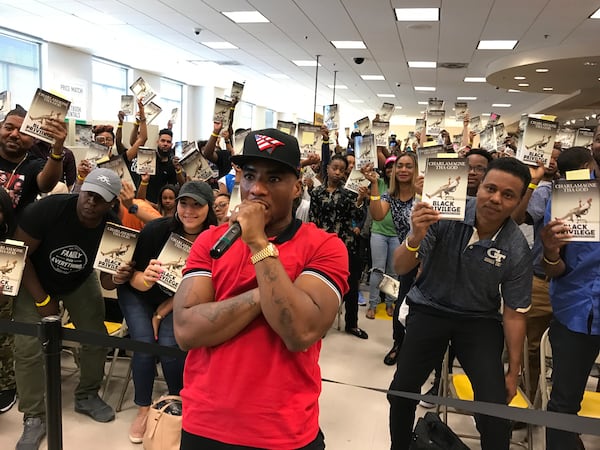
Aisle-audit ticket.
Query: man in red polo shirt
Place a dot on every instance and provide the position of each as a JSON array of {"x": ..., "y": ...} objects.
[{"x": 253, "y": 320}]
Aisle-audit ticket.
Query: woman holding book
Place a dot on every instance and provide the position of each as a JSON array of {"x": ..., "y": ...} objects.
[
  {"x": 147, "y": 306},
  {"x": 405, "y": 185}
]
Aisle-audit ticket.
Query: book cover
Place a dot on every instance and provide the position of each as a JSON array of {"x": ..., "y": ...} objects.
[
  {"x": 584, "y": 137},
  {"x": 445, "y": 186},
  {"x": 96, "y": 152},
  {"x": 423, "y": 153},
  {"x": 152, "y": 110},
  {"x": 457, "y": 139},
  {"x": 364, "y": 125},
  {"x": 310, "y": 139},
  {"x": 237, "y": 89},
  {"x": 476, "y": 125},
  {"x": 116, "y": 247},
  {"x": 365, "y": 151},
  {"x": 174, "y": 115},
  {"x": 419, "y": 125},
  {"x": 500, "y": 133},
  {"x": 83, "y": 134},
  {"x": 355, "y": 180},
  {"x": 180, "y": 146},
  {"x": 435, "y": 121},
  {"x": 330, "y": 116},
  {"x": 386, "y": 111},
  {"x": 4, "y": 104},
  {"x": 460, "y": 110},
  {"x": 146, "y": 161},
  {"x": 142, "y": 91},
  {"x": 173, "y": 257},
  {"x": 236, "y": 197},
  {"x": 127, "y": 106},
  {"x": 44, "y": 106},
  {"x": 577, "y": 202},
  {"x": 238, "y": 140},
  {"x": 117, "y": 165},
  {"x": 380, "y": 131},
  {"x": 287, "y": 127},
  {"x": 537, "y": 141},
  {"x": 566, "y": 137},
  {"x": 493, "y": 120},
  {"x": 221, "y": 112},
  {"x": 196, "y": 166},
  {"x": 12, "y": 264},
  {"x": 487, "y": 139},
  {"x": 434, "y": 104}
]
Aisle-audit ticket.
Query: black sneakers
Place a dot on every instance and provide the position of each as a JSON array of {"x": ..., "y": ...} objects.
[
  {"x": 95, "y": 407},
  {"x": 34, "y": 430},
  {"x": 434, "y": 390},
  {"x": 7, "y": 399}
]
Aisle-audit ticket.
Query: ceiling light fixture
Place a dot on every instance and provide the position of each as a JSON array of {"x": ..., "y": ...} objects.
[
  {"x": 349, "y": 45},
  {"x": 245, "y": 16},
  {"x": 547, "y": 89},
  {"x": 386, "y": 96},
  {"x": 474, "y": 80},
  {"x": 422, "y": 64},
  {"x": 497, "y": 44},
  {"x": 373, "y": 77},
  {"x": 519, "y": 78},
  {"x": 514, "y": 90},
  {"x": 220, "y": 45},
  {"x": 306, "y": 63},
  {"x": 423, "y": 103},
  {"x": 542, "y": 70},
  {"x": 466, "y": 98},
  {"x": 417, "y": 14},
  {"x": 337, "y": 86},
  {"x": 501, "y": 105},
  {"x": 596, "y": 14},
  {"x": 523, "y": 84},
  {"x": 425, "y": 88}
]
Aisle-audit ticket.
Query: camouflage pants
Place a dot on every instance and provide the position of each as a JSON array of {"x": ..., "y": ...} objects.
[{"x": 7, "y": 347}]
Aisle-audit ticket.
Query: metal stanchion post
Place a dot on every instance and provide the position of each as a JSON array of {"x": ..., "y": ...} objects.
[{"x": 51, "y": 337}]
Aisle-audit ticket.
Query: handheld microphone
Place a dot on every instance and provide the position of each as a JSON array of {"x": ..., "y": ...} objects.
[{"x": 231, "y": 235}]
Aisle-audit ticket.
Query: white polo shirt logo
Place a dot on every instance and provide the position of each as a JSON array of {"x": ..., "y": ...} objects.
[{"x": 495, "y": 257}]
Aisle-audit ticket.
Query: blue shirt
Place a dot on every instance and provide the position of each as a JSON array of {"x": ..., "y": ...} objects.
[
  {"x": 575, "y": 295},
  {"x": 471, "y": 279},
  {"x": 536, "y": 210}
]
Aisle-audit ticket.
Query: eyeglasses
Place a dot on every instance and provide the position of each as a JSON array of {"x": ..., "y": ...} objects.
[
  {"x": 103, "y": 140},
  {"x": 477, "y": 169},
  {"x": 220, "y": 205}
]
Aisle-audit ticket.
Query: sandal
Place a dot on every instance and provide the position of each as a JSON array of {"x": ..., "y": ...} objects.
[
  {"x": 370, "y": 313},
  {"x": 389, "y": 309},
  {"x": 357, "y": 332},
  {"x": 392, "y": 356}
]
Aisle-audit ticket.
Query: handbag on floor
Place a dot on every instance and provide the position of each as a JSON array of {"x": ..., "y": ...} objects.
[
  {"x": 163, "y": 426},
  {"x": 432, "y": 434}
]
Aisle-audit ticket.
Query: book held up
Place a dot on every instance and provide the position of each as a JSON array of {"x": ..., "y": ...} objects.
[
  {"x": 537, "y": 141},
  {"x": 146, "y": 161},
  {"x": 142, "y": 91},
  {"x": 44, "y": 106},
  {"x": 445, "y": 186},
  {"x": 12, "y": 264},
  {"x": 173, "y": 257},
  {"x": 116, "y": 247},
  {"x": 577, "y": 203}
]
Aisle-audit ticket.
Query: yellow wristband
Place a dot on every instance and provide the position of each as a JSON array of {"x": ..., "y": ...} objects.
[
  {"x": 411, "y": 249},
  {"x": 80, "y": 178},
  {"x": 146, "y": 284},
  {"x": 144, "y": 183},
  {"x": 374, "y": 197},
  {"x": 136, "y": 123},
  {"x": 532, "y": 186},
  {"x": 56, "y": 157},
  {"x": 44, "y": 302},
  {"x": 120, "y": 125},
  {"x": 552, "y": 263},
  {"x": 214, "y": 135},
  {"x": 178, "y": 171}
]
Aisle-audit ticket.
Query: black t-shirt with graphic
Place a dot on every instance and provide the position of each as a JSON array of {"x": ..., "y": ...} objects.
[
  {"x": 20, "y": 180},
  {"x": 67, "y": 249}
]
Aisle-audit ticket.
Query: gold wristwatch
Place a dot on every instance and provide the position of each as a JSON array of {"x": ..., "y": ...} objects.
[{"x": 270, "y": 251}]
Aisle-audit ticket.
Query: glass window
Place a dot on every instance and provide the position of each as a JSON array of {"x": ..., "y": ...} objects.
[
  {"x": 109, "y": 82},
  {"x": 169, "y": 97},
  {"x": 243, "y": 117},
  {"x": 19, "y": 68}
]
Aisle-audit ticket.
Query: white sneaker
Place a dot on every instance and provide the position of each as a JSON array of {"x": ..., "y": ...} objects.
[{"x": 434, "y": 390}]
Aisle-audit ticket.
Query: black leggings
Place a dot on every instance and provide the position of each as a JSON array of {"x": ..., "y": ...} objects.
[{"x": 192, "y": 442}]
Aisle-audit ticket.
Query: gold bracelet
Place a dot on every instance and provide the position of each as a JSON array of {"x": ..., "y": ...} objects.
[
  {"x": 214, "y": 135},
  {"x": 532, "y": 186},
  {"x": 136, "y": 123},
  {"x": 144, "y": 183},
  {"x": 146, "y": 284},
  {"x": 552, "y": 263},
  {"x": 56, "y": 157},
  {"x": 44, "y": 302},
  {"x": 374, "y": 197},
  {"x": 80, "y": 178},
  {"x": 120, "y": 125},
  {"x": 158, "y": 316},
  {"x": 178, "y": 171},
  {"x": 411, "y": 249}
]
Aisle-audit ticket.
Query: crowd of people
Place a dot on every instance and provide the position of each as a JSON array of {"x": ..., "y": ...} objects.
[{"x": 305, "y": 244}]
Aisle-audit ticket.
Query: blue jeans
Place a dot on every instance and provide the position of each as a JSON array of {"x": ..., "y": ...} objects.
[
  {"x": 573, "y": 355},
  {"x": 138, "y": 315},
  {"x": 382, "y": 261}
]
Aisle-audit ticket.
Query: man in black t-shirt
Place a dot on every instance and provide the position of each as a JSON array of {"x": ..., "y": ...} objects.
[{"x": 63, "y": 233}]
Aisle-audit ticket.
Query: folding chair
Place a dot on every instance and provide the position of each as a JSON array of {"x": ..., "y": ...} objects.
[
  {"x": 590, "y": 405},
  {"x": 459, "y": 386}
]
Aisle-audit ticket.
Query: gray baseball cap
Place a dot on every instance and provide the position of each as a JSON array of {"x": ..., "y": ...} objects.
[{"x": 104, "y": 182}]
